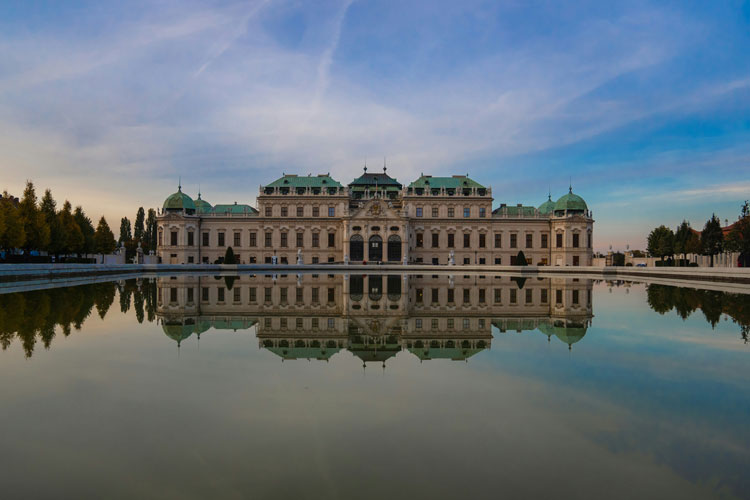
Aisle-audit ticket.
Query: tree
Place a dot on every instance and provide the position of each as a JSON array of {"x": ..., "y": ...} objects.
[
  {"x": 125, "y": 233},
  {"x": 151, "y": 230},
  {"x": 681, "y": 239},
  {"x": 72, "y": 236},
  {"x": 712, "y": 238},
  {"x": 12, "y": 235},
  {"x": 34, "y": 226},
  {"x": 138, "y": 229},
  {"x": 87, "y": 231},
  {"x": 229, "y": 257},
  {"x": 693, "y": 245},
  {"x": 661, "y": 242},
  {"x": 104, "y": 238},
  {"x": 738, "y": 239},
  {"x": 48, "y": 208},
  {"x": 521, "y": 259}
]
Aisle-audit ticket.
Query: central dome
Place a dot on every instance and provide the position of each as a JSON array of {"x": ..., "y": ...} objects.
[
  {"x": 547, "y": 207},
  {"x": 571, "y": 203},
  {"x": 179, "y": 201}
]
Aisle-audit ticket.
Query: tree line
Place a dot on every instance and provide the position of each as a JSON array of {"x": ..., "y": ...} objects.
[
  {"x": 142, "y": 232},
  {"x": 29, "y": 224},
  {"x": 665, "y": 243}
]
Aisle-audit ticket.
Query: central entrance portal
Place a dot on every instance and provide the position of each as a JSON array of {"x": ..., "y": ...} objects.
[
  {"x": 394, "y": 248},
  {"x": 356, "y": 248},
  {"x": 375, "y": 250}
]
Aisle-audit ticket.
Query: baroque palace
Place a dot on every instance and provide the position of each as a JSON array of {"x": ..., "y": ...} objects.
[{"x": 434, "y": 220}]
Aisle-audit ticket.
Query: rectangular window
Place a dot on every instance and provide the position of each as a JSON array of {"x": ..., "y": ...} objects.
[
  {"x": 159, "y": 238},
  {"x": 331, "y": 211},
  {"x": 544, "y": 296},
  {"x": 331, "y": 323},
  {"x": 300, "y": 239},
  {"x": 482, "y": 260},
  {"x": 315, "y": 295},
  {"x": 285, "y": 211},
  {"x": 544, "y": 241},
  {"x": 267, "y": 241},
  {"x": 269, "y": 210},
  {"x": 298, "y": 324},
  {"x": 284, "y": 237},
  {"x": 576, "y": 260},
  {"x": 529, "y": 240},
  {"x": 420, "y": 240},
  {"x": 482, "y": 212},
  {"x": 204, "y": 294},
  {"x": 451, "y": 240},
  {"x": 331, "y": 240},
  {"x": 283, "y": 294},
  {"x": 498, "y": 295},
  {"x": 558, "y": 296},
  {"x": 282, "y": 323},
  {"x": 173, "y": 238},
  {"x": 467, "y": 260},
  {"x": 467, "y": 212},
  {"x": 316, "y": 240},
  {"x": 237, "y": 294},
  {"x": 221, "y": 239},
  {"x": 315, "y": 323},
  {"x": 467, "y": 295},
  {"x": 419, "y": 211},
  {"x": 315, "y": 260},
  {"x": 419, "y": 295},
  {"x": 559, "y": 240},
  {"x": 451, "y": 295},
  {"x": 449, "y": 324},
  {"x": 529, "y": 295},
  {"x": 575, "y": 296},
  {"x": 482, "y": 295},
  {"x": 513, "y": 240},
  {"x": 434, "y": 323},
  {"x": 173, "y": 295},
  {"x": 435, "y": 240},
  {"x": 267, "y": 291},
  {"x": 435, "y": 292},
  {"x": 253, "y": 239},
  {"x": 252, "y": 294},
  {"x": 467, "y": 240},
  {"x": 466, "y": 323},
  {"x": 237, "y": 239},
  {"x": 482, "y": 240},
  {"x": 451, "y": 212},
  {"x": 588, "y": 240},
  {"x": 434, "y": 211},
  {"x": 191, "y": 238},
  {"x": 298, "y": 295},
  {"x": 220, "y": 291},
  {"x": 316, "y": 211},
  {"x": 498, "y": 261},
  {"x": 300, "y": 210},
  {"x": 190, "y": 294},
  {"x": 205, "y": 239},
  {"x": 418, "y": 323},
  {"x": 513, "y": 295},
  {"x": 498, "y": 240},
  {"x": 576, "y": 240},
  {"x": 331, "y": 294}
]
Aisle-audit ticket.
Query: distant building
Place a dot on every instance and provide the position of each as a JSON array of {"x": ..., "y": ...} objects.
[{"x": 376, "y": 219}]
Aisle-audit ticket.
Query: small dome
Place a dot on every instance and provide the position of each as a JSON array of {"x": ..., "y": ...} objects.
[
  {"x": 202, "y": 205},
  {"x": 570, "y": 202},
  {"x": 179, "y": 201},
  {"x": 547, "y": 207}
]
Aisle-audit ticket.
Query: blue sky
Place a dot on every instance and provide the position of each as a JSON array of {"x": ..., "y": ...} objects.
[{"x": 644, "y": 106}]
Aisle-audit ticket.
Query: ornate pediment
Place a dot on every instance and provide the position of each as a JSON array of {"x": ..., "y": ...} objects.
[{"x": 376, "y": 209}]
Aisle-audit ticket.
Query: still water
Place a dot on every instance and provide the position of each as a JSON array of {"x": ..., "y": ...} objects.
[{"x": 335, "y": 386}]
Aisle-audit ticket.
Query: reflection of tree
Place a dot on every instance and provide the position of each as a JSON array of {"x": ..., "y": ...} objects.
[
  {"x": 685, "y": 301},
  {"x": 36, "y": 316}
]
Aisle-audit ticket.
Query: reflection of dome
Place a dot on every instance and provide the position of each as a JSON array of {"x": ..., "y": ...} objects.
[
  {"x": 569, "y": 333},
  {"x": 178, "y": 332},
  {"x": 179, "y": 201},
  {"x": 453, "y": 353},
  {"x": 547, "y": 207},
  {"x": 572, "y": 203}
]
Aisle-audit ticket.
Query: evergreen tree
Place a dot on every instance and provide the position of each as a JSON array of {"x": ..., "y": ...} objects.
[
  {"x": 104, "y": 238},
  {"x": 12, "y": 235},
  {"x": 125, "y": 233},
  {"x": 229, "y": 257},
  {"x": 87, "y": 231},
  {"x": 738, "y": 239},
  {"x": 34, "y": 226},
  {"x": 681, "y": 238},
  {"x": 151, "y": 230},
  {"x": 138, "y": 227},
  {"x": 712, "y": 238},
  {"x": 521, "y": 259},
  {"x": 72, "y": 236}
]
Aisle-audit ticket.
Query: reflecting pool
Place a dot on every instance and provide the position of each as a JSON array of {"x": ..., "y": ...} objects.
[{"x": 351, "y": 386}]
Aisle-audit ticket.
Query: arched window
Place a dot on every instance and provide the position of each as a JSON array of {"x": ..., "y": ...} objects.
[
  {"x": 356, "y": 248},
  {"x": 375, "y": 249},
  {"x": 394, "y": 248}
]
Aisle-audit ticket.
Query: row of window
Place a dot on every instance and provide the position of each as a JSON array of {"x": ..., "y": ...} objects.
[
  {"x": 498, "y": 240},
  {"x": 434, "y": 211},
  {"x": 253, "y": 294},
  {"x": 450, "y": 323},
  {"x": 497, "y": 295},
  {"x": 300, "y": 211},
  {"x": 252, "y": 239}
]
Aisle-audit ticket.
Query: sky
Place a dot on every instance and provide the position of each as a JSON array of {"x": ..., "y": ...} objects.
[{"x": 643, "y": 107}]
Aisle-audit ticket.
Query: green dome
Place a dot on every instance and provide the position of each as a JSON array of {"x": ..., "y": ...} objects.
[
  {"x": 179, "y": 201},
  {"x": 570, "y": 202},
  {"x": 202, "y": 205},
  {"x": 547, "y": 207},
  {"x": 177, "y": 332},
  {"x": 569, "y": 333}
]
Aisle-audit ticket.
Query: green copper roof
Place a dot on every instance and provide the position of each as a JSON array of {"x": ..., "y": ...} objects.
[
  {"x": 202, "y": 206},
  {"x": 547, "y": 207},
  {"x": 178, "y": 332},
  {"x": 295, "y": 181},
  {"x": 381, "y": 180},
  {"x": 179, "y": 201},
  {"x": 454, "y": 353},
  {"x": 515, "y": 211},
  {"x": 570, "y": 202},
  {"x": 454, "y": 182},
  {"x": 234, "y": 208}
]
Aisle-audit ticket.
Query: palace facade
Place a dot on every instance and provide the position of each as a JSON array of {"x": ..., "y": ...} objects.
[{"x": 433, "y": 220}]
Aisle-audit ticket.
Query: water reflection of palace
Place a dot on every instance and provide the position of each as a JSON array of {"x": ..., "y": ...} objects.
[{"x": 310, "y": 316}]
